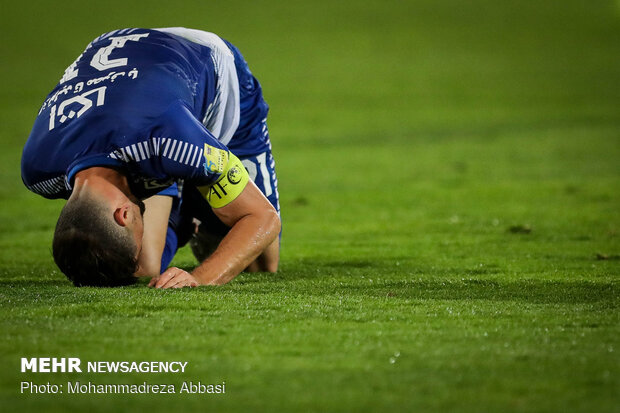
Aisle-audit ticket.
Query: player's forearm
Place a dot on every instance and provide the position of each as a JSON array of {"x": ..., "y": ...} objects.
[
  {"x": 245, "y": 241},
  {"x": 155, "y": 218}
]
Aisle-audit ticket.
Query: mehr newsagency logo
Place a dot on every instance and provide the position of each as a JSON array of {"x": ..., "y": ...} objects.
[{"x": 40, "y": 365}]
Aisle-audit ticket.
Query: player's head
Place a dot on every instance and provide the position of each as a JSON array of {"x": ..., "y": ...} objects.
[{"x": 96, "y": 244}]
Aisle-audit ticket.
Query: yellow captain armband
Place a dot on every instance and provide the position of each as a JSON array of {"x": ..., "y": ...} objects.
[{"x": 233, "y": 180}]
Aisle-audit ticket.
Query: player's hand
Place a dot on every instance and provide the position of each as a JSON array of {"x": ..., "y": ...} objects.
[{"x": 174, "y": 277}]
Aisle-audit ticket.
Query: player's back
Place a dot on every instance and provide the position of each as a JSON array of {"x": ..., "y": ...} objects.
[{"x": 110, "y": 97}]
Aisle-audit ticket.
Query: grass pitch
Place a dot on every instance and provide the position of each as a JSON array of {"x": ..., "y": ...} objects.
[{"x": 450, "y": 186}]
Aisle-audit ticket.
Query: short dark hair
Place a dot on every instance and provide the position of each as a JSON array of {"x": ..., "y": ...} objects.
[{"x": 90, "y": 248}]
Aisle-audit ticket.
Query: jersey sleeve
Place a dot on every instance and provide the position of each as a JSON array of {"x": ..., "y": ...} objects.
[{"x": 187, "y": 150}]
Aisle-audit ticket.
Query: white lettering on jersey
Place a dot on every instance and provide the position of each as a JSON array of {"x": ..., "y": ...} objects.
[
  {"x": 71, "y": 71},
  {"x": 80, "y": 99},
  {"x": 101, "y": 60}
]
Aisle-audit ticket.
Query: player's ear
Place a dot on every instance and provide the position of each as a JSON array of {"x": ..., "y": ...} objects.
[{"x": 121, "y": 215}]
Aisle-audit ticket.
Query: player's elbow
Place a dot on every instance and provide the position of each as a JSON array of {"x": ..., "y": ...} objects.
[
  {"x": 269, "y": 259},
  {"x": 271, "y": 268},
  {"x": 149, "y": 269},
  {"x": 275, "y": 225},
  {"x": 149, "y": 265}
]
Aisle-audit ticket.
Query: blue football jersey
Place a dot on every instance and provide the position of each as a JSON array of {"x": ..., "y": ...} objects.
[{"x": 151, "y": 103}]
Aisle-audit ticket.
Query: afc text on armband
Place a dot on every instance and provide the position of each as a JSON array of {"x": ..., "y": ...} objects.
[
  {"x": 221, "y": 193},
  {"x": 51, "y": 365}
]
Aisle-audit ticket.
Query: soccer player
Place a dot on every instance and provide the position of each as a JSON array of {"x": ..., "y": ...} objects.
[{"x": 156, "y": 137}]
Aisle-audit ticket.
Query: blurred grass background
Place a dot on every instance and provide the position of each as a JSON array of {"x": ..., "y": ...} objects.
[{"x": 450, "y": 185}]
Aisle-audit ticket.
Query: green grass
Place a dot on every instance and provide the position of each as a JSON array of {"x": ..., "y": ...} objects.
[{"x": 450, "y": 186}]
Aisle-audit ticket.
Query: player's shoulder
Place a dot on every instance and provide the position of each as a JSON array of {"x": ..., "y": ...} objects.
[{"x": 179, "y": 119}]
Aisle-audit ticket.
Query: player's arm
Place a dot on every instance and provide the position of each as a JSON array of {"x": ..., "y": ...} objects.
[
  {"x": 254, "y": 227},
  {"x": 154, "y": 239}
]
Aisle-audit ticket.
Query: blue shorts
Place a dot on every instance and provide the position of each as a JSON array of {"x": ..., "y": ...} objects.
[{"x": 250, "y": 144}]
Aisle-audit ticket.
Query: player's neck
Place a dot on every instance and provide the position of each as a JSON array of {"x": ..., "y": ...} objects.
[{"x": 102, "y": 180}]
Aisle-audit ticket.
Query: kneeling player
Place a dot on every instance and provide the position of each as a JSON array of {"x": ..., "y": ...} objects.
[{"x": 173, "y": 117}]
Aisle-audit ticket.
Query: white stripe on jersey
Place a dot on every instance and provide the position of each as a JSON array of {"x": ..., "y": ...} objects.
[
  {"x": 134, "y": 152},
  {"x": 199, "y": 160},
  {"x": 176, "y": 154},
  {"x": 222, "y": 117},
  {"x": 183, "y": 153},
  {"x": 174, "y": 149},
  {"x": 194, "y": 156},
  {"x": 50, "y": 186},
  {"x": 167, "y": 145},
  {"x": 142, "y": 154},
  {"x": 191, "y": 148}
]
